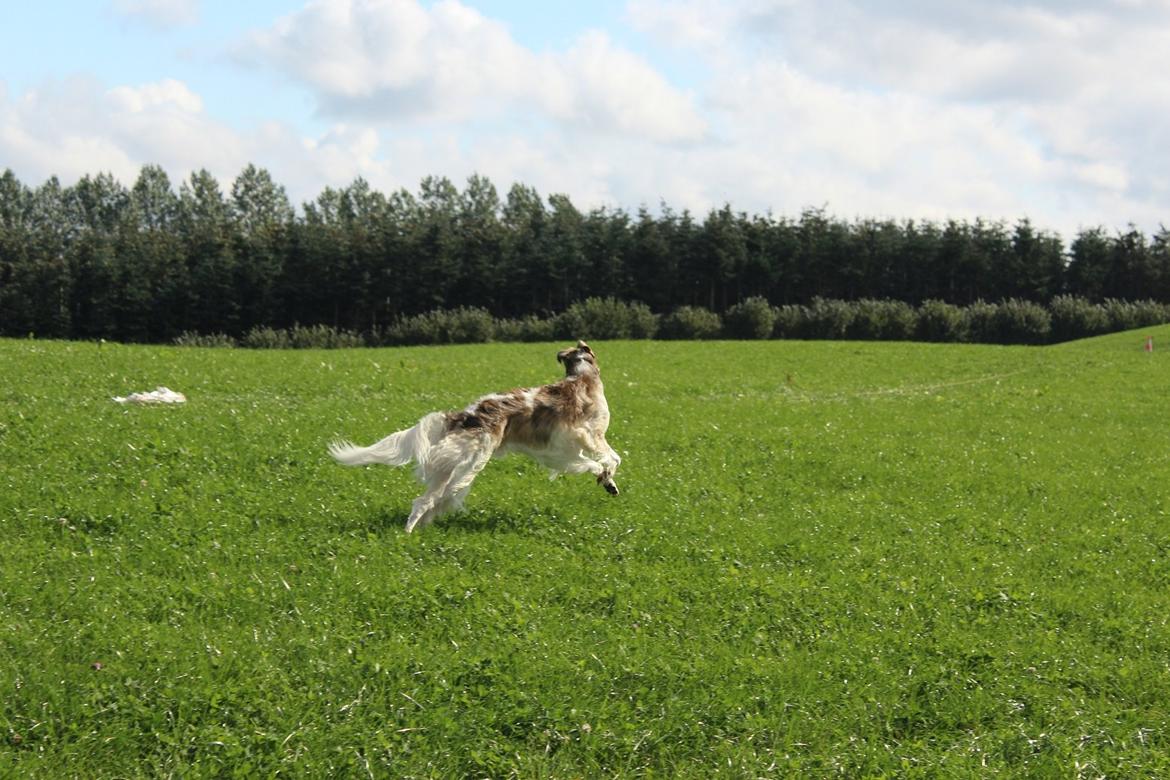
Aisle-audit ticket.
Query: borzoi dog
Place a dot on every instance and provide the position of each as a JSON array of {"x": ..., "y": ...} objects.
[{"x": 561, "y": 426}]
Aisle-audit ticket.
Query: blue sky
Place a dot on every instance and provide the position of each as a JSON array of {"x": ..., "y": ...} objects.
[{"x": 1057, "y": 111}]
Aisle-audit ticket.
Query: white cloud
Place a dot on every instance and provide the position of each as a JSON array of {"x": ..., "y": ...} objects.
[
  {"x": 1055, "y": 110},
  {"x": 166, "y": 95},
  {"x": 786, "y": 141},
  {"x": 609, "y": 88},
  {"x": 76, "y": 127},
  {"x": 968, "y": 49},
  {"x": 387, "y": 61},
  {"x": 160, "y": 14},
  {"x": 1049, "y": 110}
]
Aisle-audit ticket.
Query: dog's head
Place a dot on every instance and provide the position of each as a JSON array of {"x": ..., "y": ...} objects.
[{"x": 578, "y": 360}]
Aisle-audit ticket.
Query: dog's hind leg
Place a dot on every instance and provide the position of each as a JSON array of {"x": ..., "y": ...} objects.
[
  {"x": 424, "y": 507},
  {"x": 455, "y": 467},
  {"x": 460, "y": 485}
]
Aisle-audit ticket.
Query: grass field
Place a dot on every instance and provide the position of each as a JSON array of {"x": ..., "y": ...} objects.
[{"x": 828, "y": 559}]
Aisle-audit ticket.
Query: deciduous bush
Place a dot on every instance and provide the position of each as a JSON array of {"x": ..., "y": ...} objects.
[
  {"x": 1152, "y": 313},
  {"x": 1021, "y": 322},
  {"x": 979, "y": 322},
  {"x": 191, "y": 339},
  {"x": 264, "y": 337},
  {"x": 301, "y": 337},
  {"x": 470, "y": 325},
  {"x": 1075, "y": 318},
  {"x": 883, "y": 320},
  {"x": 789, "y": 321},
  {"x": 690, "y": 322},
  {"x": 465, "y": 325},
  {"x": 323, "y": 337},
  {"x": 1127, "y": 315},
  {"x": 426, "y": 328},
  {"x": 605, "y": 318},
  {"x": 827, "y": 319},
  {"x": 750, "y": 319},
  {"x": 530, "y": 328},
  {"x": 941, "y": 321}
]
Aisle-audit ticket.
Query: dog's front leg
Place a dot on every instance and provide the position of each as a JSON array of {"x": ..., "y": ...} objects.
[
  {"x": 608, "y": 456},
  {"x": 605, "y": 478},
  {"x": 608, "y": 459},
  {"x": 603, "y": 473},
  {"x": 608, "y": 462},
  {"x": 579, "y": 460}
]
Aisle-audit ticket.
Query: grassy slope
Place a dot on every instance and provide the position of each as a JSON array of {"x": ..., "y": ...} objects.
[{"x": 828, "y": 558}]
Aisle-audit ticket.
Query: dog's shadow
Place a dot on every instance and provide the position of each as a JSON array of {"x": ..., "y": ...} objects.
[
  {"x": 477, "y": 521},
  {"x": 382, "y": 522},
  {"x": 491, "y": 521}
]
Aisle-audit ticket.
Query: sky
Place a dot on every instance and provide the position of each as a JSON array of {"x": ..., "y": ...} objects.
[{"x": 1053, "y": 110}]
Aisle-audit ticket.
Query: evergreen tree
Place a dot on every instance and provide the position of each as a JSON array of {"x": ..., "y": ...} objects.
[
  {"x": 1088, "y": 268},
  {"x": 151, "y": 271},
  {"x": 525, "y": 263},
  {"x": 481, "y": 246},
  {"x": 652, "y": 265},
  {"x": 606, "y": 240},
  {"x": 725, "y": 246},
  {"x": 1039, "y": 263},
  {"x": 261, "y": 222},
  {"x": 568, "y": 275},
  {"x": 212, "y": 302},
  {"x": 1133, "y": 271},
  {"x": 17, "y": 269},
  {"x": 96, "y": 207},
  {"x": 435, "y": 241},
  {"x": 49, "y": 270}
]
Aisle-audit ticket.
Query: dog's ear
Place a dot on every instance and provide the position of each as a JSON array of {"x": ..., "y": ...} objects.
[{"x": 584, "y": 346}]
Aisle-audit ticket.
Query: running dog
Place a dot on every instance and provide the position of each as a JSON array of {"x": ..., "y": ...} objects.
[{"x": 561, "y": 426}]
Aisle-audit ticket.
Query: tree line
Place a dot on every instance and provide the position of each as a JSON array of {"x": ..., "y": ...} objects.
[{"x": 148, "y": 263}]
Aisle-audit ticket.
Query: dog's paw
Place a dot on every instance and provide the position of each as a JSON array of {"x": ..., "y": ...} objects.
[{"x": 605, "y": 479}]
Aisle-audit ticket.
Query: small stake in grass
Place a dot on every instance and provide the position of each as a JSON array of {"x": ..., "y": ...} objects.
[{"x": 1149, "y": 343}]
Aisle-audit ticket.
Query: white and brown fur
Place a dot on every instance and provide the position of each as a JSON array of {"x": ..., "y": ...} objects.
[{"x": 562, "y": 426}]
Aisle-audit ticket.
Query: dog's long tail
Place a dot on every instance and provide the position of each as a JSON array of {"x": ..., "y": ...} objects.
[{"x": 397, "y": 449}]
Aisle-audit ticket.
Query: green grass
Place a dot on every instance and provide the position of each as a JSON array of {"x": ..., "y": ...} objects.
[{"x": 828, "y": 559}]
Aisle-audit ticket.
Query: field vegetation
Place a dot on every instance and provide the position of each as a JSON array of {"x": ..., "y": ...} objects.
[{"x": 828, "y": 559}]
